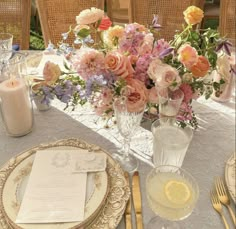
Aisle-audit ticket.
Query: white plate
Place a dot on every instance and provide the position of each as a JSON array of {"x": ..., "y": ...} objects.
[
  {"x": 104, "y": 206},
  {"x": 230, "y": 170}
]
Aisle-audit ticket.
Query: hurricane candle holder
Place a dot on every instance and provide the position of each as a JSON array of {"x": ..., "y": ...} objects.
[{"x": 15, "y": 103}]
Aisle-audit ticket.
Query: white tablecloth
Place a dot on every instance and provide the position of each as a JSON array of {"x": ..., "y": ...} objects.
[{"x": 213, "y": 143}]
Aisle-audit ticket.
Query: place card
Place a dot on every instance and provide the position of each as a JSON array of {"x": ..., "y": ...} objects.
[
  {"x": 53, "y": 193},
  {"x": 89, "y": 162}
]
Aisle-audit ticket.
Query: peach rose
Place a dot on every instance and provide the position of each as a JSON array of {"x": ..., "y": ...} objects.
[
  {"x": 163, "y": 74},
  {"x": 193, "y": 15},
  {"x": 137, "y": 95},
  {"x": 118, "y": 64},
  {"x": 187, "y": 55},
  {"x": 152, "y": 95},
  {"x": 201, "y": 68},
  {"x": 51, "y": 72},
  {"x": 105, "y": 23}
]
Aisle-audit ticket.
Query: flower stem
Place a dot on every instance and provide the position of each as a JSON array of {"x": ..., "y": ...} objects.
[{"x": 186, "y": 29}]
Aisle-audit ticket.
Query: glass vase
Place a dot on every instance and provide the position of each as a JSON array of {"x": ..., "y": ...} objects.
[
  {"x": 226, "y": 89},
  {"x": 169, "y": 104}
]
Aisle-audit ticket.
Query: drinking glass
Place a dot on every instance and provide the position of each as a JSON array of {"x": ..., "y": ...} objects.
[
  {"x": 172, "y": 194},
  {"x": 170, "y": 143},
  {"x": 127, "y": 123},
  {"x": 5, "y": 46},
  {"x": 169, "y": 103}
]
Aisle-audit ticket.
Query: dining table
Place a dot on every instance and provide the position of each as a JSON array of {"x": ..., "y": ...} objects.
[{"x": 213, "y": 143}]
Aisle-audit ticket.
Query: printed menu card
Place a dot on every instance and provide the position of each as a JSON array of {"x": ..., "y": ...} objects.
[{"x": 54, "y": 193}]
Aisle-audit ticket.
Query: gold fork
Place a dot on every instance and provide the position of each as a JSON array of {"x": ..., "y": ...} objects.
[
  {"x": 223, "y": 196},
  {"x": 218, "y": 207}
]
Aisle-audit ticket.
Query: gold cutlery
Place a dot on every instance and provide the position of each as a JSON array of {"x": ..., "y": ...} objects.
[
  {"x": 128, "y": 216},
  {"x": 137, "y": 200},
  {"x": 223, "y": 196},
  {"x": 218, "y": 207}
]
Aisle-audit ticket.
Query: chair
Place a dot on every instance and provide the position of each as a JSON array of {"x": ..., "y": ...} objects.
[
  {"x": 118, "y": 11},
  {"x": 211, "y": 12},
  {"x": 170, "y": 14},
  {"x": 15, "y": 19},
  {"x": 56, "y": 16},
  {"x": 227, "y": 19}
]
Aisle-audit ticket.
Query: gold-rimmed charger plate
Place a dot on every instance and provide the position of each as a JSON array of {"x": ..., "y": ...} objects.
[
  {"x": 230, "y": 171},
  {"x": 106, "y": 199}
]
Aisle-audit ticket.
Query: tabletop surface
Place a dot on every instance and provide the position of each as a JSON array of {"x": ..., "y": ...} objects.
[{"x": 212, "y": 145}]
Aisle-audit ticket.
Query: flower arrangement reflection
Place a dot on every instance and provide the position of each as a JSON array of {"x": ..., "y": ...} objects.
[{"x": 132, "y": 57}]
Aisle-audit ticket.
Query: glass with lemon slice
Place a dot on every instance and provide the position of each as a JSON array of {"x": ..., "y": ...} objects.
[{"x": 172, "y": 194}]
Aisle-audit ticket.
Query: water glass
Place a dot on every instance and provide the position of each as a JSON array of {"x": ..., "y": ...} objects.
[
  {"x": 6, "y": 41},
  {"x": 170, "y": 143}
]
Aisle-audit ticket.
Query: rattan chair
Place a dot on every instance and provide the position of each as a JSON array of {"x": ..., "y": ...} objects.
[
  {"x": 170, "y": 14},
  {"x": 227, "y": 19},
  {"x": 15, "y": 19},
  {"x": 56, "y": 16},
  {"x": 118, "y": 11}
]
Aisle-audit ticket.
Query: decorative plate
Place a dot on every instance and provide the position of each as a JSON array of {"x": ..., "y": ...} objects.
[
  {"x": 107, "y": 193},
  {"x": 230, "y": 170}
]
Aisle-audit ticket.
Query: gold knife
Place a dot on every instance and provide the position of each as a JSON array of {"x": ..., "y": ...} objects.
[
  {"x": 128, "y": 216},
  {"x": 137, "y": 199}
]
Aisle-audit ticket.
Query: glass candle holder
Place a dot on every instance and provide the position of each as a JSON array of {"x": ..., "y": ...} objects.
[{"x": 15, "y": 103}]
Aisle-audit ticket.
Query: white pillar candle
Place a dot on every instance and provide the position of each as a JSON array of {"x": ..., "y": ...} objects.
[{"x": 16, "y": 107}]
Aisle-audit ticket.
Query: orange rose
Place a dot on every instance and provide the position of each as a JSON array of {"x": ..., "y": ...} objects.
[
  {"x": 193, "y": 15},
  {"x": 201, "y": 68}
]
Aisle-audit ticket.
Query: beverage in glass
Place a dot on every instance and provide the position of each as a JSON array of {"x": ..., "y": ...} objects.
[
  {"x": 172, "y": 194},
  {"x": 170, "y": 143}
]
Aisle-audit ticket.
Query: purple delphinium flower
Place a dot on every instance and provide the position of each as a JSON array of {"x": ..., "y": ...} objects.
[
  {"x": 132, "y": 39},
  {"x": 93, "y": 82},
  {"x": 141, "y": 68},
  {"x": 48, "y": 95}
]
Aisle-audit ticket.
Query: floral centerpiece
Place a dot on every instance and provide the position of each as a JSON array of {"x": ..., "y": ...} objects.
[{"x": 131, "y": 61}]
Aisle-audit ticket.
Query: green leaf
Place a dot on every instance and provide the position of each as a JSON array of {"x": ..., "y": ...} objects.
[{"x": 83, "y": 33}]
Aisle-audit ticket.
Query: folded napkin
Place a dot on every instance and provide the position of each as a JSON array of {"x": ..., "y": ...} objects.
[{"x": 56, "y": 190}]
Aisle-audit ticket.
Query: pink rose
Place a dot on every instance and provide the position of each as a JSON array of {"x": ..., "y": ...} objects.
[
  {"x": 118, "y": 64},
  {"x": 163, "y": 74},
  {"x": 103, "y": 103},
  {"x": 188, "y": 55},
  {"x": 188, "y": 92},
  {"x": 105, "y": 23},
  {"x": 51, "y": 72},
  {"x": 152, "y": 95},
  {"x": 137, "y": 95}
]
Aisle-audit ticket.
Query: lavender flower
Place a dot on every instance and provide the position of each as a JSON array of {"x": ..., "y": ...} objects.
[
  {"x": 93, "y": 82},
  {"x": 155, "y": 24}
]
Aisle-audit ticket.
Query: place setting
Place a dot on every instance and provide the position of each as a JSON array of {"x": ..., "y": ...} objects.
[
  {"x": 66, "y": 184},
  {"x": 115, "y": 80}
]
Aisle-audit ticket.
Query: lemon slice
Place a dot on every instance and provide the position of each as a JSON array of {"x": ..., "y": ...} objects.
[{"x": 177, "y": 192}]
